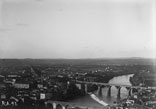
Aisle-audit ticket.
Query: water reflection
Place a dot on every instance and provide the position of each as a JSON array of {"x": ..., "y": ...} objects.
[{"x": 121, "y": 80}]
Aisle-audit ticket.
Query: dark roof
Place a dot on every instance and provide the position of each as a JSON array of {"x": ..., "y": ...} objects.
[{"x": 2, "y": 85}]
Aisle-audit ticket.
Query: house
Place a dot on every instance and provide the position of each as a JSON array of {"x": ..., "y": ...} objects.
[{"x": 21, "y": 85}]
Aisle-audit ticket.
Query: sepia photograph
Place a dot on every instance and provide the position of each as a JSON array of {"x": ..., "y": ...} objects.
[{"x": 77, "y": 54}]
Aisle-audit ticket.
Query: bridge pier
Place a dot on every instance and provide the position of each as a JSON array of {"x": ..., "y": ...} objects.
[
  {"x": 109, "y": 91},
  {"x": 129, "y": 91},
  {"x": 63, "y": 107},
  {"x": 54, "y": 105},
  {"x": 84, "y": 88},
  {"x": 118, "y": 93},
  {"x": 59, "y": 106},
  {"x": 100, "y": 89}
]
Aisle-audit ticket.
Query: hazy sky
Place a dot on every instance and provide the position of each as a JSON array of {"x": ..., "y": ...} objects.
[{"x": 77, "y": 28}]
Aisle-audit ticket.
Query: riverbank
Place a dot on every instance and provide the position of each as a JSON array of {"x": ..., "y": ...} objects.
[{"x": 144, "y": 79}]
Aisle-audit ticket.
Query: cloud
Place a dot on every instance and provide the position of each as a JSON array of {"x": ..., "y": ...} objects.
[
  {"x": 17, "y": 0},
  {"x": 39, "y": 0},
  {"x": 4, "y": 30},
  {"x": 22, "y": 24}
]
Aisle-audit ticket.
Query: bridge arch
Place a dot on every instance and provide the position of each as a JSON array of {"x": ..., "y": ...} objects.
[
  {"x": 134, "y": 90},
  {"x": 117, "y": 91},
  {"x": 100, "y": 89},
  {"x": 59, "y": 106},
  {"x": 49, "y": 106},
  {"x": 66, "y": 106},
  {"x": 124, "y": 91},
  {"x": 92, "y": 88},
  {"x": 112, "y": 90}
]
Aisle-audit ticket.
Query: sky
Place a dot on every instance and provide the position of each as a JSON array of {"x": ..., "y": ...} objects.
[{"x": 77, "y": 28}]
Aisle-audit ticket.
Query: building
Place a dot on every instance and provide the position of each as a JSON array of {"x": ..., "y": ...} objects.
[{"x": 21, "y": 85}]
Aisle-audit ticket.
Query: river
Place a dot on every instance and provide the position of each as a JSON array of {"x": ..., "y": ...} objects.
[{"x": 121, "y": 80}]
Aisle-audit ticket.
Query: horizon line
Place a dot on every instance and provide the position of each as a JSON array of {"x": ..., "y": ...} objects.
[{"x": 88, "y": 58}]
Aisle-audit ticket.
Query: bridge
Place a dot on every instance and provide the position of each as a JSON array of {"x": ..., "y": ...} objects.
[
  {"x": 68, "y": 105},
  {"x": 83, "y": 86}
]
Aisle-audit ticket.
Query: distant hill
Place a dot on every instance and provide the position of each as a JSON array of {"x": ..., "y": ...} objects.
[
  {"x": 117, "y": 61},
  {"x": 10, "y": 62}
]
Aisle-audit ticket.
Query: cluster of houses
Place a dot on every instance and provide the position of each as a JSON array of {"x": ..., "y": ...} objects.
[
  {"x": 16, "y": 90},
  {"x": 140, "y": 99},
  {"x": 19, "y": 90}
]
